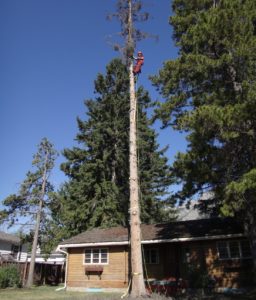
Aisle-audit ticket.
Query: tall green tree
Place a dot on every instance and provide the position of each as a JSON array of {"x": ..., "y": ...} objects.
[
  {"x": 31, "y": 202},
  {"x": 210, "y": 93},
  {"x": 97, "y": 192}
]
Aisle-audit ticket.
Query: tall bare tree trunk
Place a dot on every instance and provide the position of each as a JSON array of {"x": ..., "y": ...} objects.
[
  {"x": 138, "y": 285},
  {"x": 251, "y": 232},
  {"x": 34, "y": 247},
  {"x": 37, "y": 227}
]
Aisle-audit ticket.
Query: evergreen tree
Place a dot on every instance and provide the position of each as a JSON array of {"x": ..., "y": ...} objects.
[
  {"x": 154, "y": 171},
  {"x": 33, "y": 199},
  {"x": 210, "y": 93},
  {"x": 97, "y": 193}
]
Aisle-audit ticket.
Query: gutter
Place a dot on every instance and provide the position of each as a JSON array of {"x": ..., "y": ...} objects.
[
  {"x": 66, "y": 268},
  {"x": 194, "y": 239},
  {"x": 93, "y": 244}
]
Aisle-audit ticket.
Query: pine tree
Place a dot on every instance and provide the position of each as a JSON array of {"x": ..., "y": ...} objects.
[
  {"x": 153, "y": 171},
  {"x": 33, "y": 198},
  {"x": 97, "y": 192},
  {"x": 210, "y": 93}
]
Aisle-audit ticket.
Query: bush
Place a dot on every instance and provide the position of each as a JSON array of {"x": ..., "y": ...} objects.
[
  {"x": 9, "y": 277},
  {"x": 200, "y": 279}
]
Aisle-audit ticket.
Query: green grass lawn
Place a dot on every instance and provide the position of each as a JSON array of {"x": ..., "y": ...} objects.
[{"x": 49, "y": 293}]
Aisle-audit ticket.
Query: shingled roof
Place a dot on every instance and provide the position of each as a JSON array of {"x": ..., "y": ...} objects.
[
  {"x": 9, "y": 238},
  {"x": 217, "y": 227}
]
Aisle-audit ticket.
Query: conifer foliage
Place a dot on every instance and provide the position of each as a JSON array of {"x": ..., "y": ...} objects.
[
  {"x": 97, "y": 192},
  {"x": 210, "y": 92},
  {"x": 31, "y": 203}
]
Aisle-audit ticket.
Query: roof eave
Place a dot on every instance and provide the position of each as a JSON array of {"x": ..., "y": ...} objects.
[{"x": 159, "y": 241}]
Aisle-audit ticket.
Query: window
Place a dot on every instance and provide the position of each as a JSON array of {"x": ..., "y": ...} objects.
[
  {"x": 186, "y": 255},
  {"x": 96, "y": 256},
  {"x": 151, "y": 256},
  {"x": 245, "y": 249},
  {"x": 234, "y": 249},
  {"x": 223, "y": 250},
  {"x": 15, "y": 251}
]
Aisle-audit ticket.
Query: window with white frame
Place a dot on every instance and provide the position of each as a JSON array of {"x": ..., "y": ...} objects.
[
  {"x": 96, "y": 256},
  {"x": 234, "y": 249},
  {"x": 151, "y": 256}
]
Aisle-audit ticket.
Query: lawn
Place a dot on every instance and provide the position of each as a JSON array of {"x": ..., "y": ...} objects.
[{"x": 50, "y": 293}]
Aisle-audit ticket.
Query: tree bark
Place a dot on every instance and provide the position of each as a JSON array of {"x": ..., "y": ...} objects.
[
  {"x": 138, "y": 286},
  {"x": 137, "y": 277},
  {"x": 34, "y": 247},
  {"x": 37, "y": 227},
  {"x": 253, "y": 244},
  {"x": 252, "y": 237}
]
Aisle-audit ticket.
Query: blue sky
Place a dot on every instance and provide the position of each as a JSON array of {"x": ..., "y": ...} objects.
[{"x": 51, "y": 52}]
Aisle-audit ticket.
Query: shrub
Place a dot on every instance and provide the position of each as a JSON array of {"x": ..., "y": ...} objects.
[{"x": 9, "y": 277}]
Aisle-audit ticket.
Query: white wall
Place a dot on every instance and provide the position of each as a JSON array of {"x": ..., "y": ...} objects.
[
  {"x": 6, "y": 248},
  {"x": 23, "y": 253}
]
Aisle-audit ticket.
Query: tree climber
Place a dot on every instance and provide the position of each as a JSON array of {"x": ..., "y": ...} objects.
[{"x": 139, "y": 63}]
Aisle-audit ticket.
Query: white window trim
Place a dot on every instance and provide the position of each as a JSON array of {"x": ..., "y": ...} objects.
[
  {"x": 99, "y": 263},
  {"x": 157, "y": 256},
  {"x": 228, "y": 248}
]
